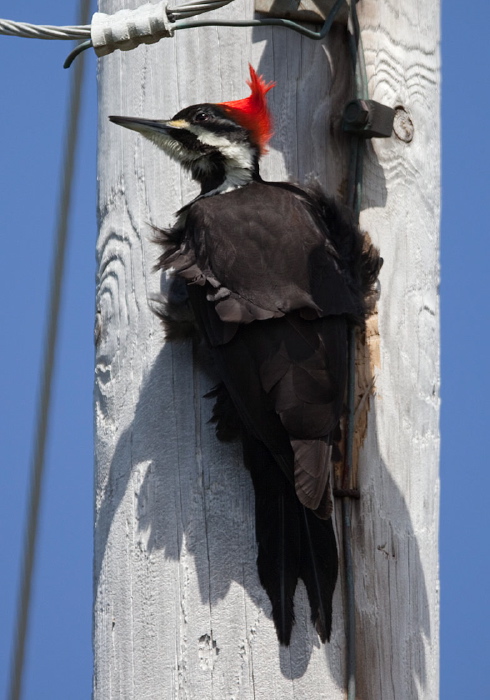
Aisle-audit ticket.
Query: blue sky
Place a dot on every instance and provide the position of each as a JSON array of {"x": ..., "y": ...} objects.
[{"x": 33, "y": 115}]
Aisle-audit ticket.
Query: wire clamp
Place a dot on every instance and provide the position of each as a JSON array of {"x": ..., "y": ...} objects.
[
  {"x": 368, "y": 119},
  {"x": 127, "y": 29}
]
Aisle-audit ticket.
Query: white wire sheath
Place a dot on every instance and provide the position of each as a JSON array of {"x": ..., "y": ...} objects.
[{"x": 127, "y": 29}]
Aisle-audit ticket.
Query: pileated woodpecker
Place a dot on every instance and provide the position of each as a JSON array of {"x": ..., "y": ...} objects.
[{"x": 275, "y": 273}]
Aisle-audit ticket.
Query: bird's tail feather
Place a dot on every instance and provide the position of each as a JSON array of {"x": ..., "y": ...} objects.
[
  {"x": 318, "y": 568},
  {"x": 292, "y": 543},
  {"x": 278, "y": 533}
]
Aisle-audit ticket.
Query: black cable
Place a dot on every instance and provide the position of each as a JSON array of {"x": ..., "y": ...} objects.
[
  {"x": 354, "y": 194},
  {"x": 76, "y": 52},
  {"x": 275, "y": 22}
]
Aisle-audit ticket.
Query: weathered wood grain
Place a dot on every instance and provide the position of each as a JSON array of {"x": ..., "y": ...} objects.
[
  {"x": 179, "y": 611},
  {"x": 397, "y": 526}
]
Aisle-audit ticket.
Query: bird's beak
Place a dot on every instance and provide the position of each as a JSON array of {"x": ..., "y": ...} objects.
[
  {"x": 172, "y": 136},
  {"x": 149, "y": 126}
]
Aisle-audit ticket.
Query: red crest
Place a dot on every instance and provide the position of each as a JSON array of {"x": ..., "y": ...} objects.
[{"x": 252, "y": 112}]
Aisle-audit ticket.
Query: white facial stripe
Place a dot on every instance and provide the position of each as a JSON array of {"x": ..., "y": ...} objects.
[
  {"x": 238, "y": 155},
  {"x": 208, "y": 137}
]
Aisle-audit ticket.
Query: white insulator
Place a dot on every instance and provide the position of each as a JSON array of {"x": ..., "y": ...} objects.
[{"x": 127, "y": 29}]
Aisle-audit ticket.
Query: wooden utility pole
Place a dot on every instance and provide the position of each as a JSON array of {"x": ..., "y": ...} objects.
[{"x": 179, "y": 611}]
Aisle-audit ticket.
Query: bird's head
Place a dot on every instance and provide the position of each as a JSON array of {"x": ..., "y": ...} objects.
[{"x": 219, "y": 143}]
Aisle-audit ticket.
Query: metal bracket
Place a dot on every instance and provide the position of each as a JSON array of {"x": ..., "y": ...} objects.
[
  {"x": 314, "y": 11},
  {"x": 368, "y": 119}
]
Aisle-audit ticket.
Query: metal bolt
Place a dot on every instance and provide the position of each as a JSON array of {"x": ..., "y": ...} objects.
[
  {"x": 368, "y": 119},
  {"x": 356, "y": 113}
]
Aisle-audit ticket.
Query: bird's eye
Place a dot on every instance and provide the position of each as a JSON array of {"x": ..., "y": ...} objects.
[{"x": 201, "y": 117}]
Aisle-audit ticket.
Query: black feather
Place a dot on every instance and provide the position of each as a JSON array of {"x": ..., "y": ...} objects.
[
  {"x": 292, "y": 543},
  {"x": 225, "y": 417},
  {"x": 275, "y": 273},
  {"x": 318, "y": 569},
  {"x": 278, "y": 534},
  {"x": 176, "y": 314}
]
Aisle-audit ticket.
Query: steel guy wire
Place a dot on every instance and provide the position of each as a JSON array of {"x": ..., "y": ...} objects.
[
  {"x": 44, "y": 400},
  {"x": 48, "y": 31}
]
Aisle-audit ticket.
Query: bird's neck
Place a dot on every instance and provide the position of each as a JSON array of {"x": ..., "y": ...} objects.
[{"x": 220, "y": 175}]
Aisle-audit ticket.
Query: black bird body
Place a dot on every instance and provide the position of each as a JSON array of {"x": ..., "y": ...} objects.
[{"x": 274, "y": 273}]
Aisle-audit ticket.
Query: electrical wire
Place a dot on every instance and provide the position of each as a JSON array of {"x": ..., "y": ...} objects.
[
  {"x": 43, "y": 31},
  {"x": 43, "y": 410},
  {"x": 264, "y": 22},
  {"x": 48, "y": 31},
  {"x": 354, "y": 195},
  {"x": 275, "y": 22},
  {"x": 174, "y": 14}
]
